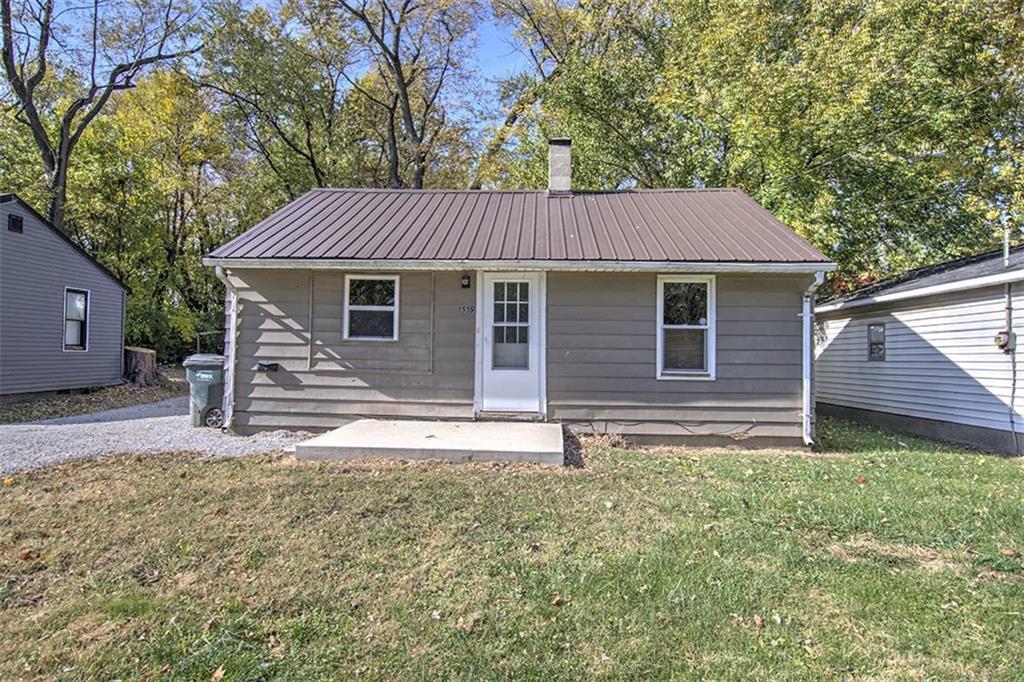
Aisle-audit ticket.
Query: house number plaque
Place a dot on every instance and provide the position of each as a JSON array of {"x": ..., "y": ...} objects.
[{"x": 467, "y": 308}]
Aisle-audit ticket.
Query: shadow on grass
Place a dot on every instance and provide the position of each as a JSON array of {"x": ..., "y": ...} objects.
[{"x": 843, "y": 436}]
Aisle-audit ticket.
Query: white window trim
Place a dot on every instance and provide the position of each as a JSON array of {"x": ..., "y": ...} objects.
[
  {"x": 709, "y": 337},
  {"x": 393, "y": 308},
  {"x": 64, "y": 320}
]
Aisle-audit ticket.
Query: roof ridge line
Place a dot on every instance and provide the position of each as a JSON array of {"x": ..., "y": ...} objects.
[{"x": 578, "y": 192}]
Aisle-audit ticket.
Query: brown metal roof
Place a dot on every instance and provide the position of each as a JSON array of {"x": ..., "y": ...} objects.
[{"x": 717, "y": 225}]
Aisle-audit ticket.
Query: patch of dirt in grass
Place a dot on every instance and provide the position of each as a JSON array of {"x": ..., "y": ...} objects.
[
  {"x": 733, "y": 450},
  {"x": 95, "y": 400},
  {"x": 1000, "y": 576},
  {"x": 917, "y": 667},
  {"x": 865, "y": 548}
]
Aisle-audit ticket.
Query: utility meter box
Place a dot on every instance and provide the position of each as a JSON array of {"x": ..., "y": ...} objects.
[{"x": 1006, "y": 341}]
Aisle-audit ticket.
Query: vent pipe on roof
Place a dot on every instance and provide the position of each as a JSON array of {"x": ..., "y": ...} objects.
[{"x": 559, "y": 165}]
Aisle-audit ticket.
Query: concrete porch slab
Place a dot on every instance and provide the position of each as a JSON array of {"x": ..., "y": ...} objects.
[{"x": 451, "y": 441}]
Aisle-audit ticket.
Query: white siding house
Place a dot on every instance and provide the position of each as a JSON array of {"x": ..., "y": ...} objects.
[{"x": 919, "y": 354}]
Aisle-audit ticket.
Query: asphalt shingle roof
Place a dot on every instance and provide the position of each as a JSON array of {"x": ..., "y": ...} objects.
[{"x": 959, "y": 270}]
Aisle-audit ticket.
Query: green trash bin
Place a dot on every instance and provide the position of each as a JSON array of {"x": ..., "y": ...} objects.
[{"x": 205, "y": 374}]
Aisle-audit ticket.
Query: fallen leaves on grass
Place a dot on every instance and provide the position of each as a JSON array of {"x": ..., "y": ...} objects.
[
  {"x": 97, "y": 400},
  {"x": 266, "y": 554},
  {"x": 275, "y": 646},
  {"x": 468, "y": 623}
]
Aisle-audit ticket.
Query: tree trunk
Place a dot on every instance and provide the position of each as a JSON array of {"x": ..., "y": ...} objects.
[
  {"x": 59, "y": 197},
  {"x": 140, "y": 366}
]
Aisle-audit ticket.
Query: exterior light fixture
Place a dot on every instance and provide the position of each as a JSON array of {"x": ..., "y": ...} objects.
[{"x": 465, "y": 281}]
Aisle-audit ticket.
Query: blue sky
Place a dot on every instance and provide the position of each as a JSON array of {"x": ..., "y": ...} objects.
[{"x": 496, "y": 54}]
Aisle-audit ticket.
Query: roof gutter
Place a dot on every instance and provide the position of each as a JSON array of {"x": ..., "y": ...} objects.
[
  {"x": 964, "y": 285},
  {"x": 521, "y": 265}
]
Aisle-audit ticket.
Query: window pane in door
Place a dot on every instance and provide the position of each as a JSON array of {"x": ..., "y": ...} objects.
[
  {"x": 510, "y": 345},
  {"x": 684, "y": 350},
  {"x": 511, "y": 348}
]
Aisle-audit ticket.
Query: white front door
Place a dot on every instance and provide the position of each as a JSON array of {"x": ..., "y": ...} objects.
[{"x": 511, "y": 338}]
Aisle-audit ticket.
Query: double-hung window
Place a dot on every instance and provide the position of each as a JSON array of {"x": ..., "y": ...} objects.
[
  {"x": 76, "y": 318},
  {"x": 371, "y": 308},
  {"x": 686, "y": 327}
]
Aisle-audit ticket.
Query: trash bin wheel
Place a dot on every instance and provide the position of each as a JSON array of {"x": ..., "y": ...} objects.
[{"x": 214, "y": 418}]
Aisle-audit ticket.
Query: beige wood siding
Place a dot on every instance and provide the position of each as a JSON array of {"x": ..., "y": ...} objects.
[
  {"x": 294, "y": 318},
  {"x": 601, "y": 359},
  {"x": 600, "y": 356},
  {"x": 35, "y": 267}
]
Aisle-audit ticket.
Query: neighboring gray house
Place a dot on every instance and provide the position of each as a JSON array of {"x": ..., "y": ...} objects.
[
  {"x": 918, "y": 352},
  {"x": 667, "y": 316},
  {"x": 61, "y": 312}
]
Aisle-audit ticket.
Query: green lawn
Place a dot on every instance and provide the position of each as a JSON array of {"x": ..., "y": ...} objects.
[{"x": 883, "y": 556}]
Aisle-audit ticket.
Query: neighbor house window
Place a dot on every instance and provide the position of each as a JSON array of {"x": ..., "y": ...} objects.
[
  {"x": 76, "y": 313},
  {"x": 686, "y": 327},
  {"x": 15, "y": 223},
  {"x": 876, "y": 341},
  {"x": 371, "y": 308}
]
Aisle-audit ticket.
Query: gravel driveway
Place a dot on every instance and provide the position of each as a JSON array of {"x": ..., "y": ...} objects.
[{"x": 148, "y": 429}]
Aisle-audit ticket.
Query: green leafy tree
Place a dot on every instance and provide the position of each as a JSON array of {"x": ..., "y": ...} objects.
[
  {"x": 888, "y": 134},
  {"x": 63, "y": 62},
  {"x": 154, "y": 194}
]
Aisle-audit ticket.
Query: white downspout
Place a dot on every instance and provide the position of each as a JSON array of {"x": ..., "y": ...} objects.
[
  {"x": 1012, "y": 349},
  {"x": 229, "y": 378},
  {"x": 807, "y": 315}
]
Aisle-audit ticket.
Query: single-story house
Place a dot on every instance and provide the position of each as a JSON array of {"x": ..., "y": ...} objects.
[
  {"x": 930, "y": 352},
  {"x": 664, "y": 315},
  {"x": 61, "y": 312}
]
